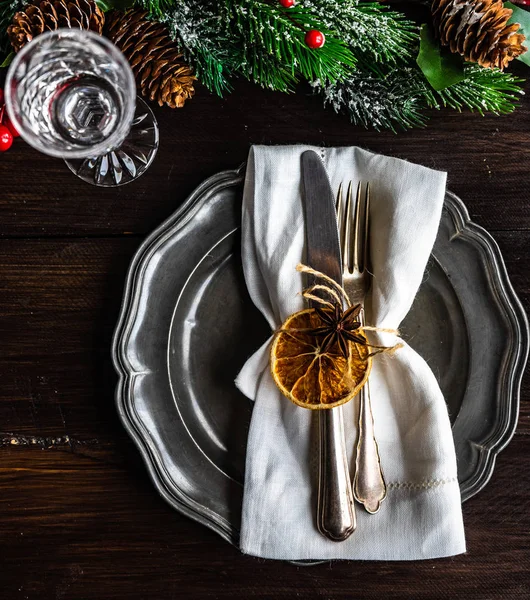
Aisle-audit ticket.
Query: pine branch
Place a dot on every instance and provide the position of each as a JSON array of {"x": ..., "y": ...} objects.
[
  {"x": 257, "y": 39},
  {"x": 396, "y": 101},
  {"x": 390, "y": 102},
  {"x": 158, "y": 8},
  {"x": 366, "y": 68},
  {"x": 276, "y": 55},
  {"x": 483, "y": 90},
  {"x": 201, "y": 33},
  {"x": 374, "y": 33}
]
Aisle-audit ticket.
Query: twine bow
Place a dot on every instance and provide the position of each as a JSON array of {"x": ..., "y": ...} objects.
[{"x": 340, "y": 326}]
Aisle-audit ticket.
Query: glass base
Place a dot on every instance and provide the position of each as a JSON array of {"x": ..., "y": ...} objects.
[{"x": 127, "y": 162}]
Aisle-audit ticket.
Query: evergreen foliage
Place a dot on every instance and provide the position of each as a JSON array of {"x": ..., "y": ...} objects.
[
  {"x": 396, "y": 100},
  {"x": 366, "y": 68}
]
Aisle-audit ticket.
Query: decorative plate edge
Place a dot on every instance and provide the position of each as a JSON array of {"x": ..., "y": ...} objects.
[
  {"x": 176, "y": 497},
  {"x": 516, "y": 357}
]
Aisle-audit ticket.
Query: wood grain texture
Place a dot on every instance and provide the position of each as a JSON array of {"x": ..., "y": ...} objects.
[
  {"x": 212, "y": 134},
  {"x": 79, "y": 517}
]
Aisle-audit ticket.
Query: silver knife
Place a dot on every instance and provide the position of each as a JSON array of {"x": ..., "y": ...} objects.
[{"x": 335, "y": 510}]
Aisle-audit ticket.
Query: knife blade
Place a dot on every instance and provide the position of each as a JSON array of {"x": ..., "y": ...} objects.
[
  {"x": 322, "y": 234},
  {"x": 335, "y": 511}
]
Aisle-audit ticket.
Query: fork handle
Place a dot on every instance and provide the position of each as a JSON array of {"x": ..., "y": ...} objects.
[
  {"x": 369, "y": 486},
  {"x": 335, "y": 513}
]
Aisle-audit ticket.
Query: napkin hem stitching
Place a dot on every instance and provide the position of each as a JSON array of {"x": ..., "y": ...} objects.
[{"x": 427, "y": 484}]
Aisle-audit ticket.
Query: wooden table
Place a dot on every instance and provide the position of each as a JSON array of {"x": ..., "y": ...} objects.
[{"x": 79, "y": 517}]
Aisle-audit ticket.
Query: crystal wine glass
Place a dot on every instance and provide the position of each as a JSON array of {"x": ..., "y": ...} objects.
[{"x": 71, "y": 94}]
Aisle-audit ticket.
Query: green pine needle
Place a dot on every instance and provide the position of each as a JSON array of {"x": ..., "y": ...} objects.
[
  {"x": 483, "y": 90},
  {"x": 276, "y": 55},
  {"x": 396, "y": 100},
  {"x": 256, "y": 39},
  {"x": 374, "y": 33},
  {"x": 200, "y": 31},
  {"x": 366, "y": 68}
]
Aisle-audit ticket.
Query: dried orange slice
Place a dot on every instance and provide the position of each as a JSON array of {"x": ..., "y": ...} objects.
[{"x": 313, "y": 378}]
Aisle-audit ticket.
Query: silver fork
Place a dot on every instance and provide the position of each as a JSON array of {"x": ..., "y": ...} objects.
[{"x": 369, "y": 486}]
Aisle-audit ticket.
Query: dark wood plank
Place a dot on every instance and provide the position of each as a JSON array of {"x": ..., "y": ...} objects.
[
  {"x": 58, "y": 308},
  {"x": 75, "y": 527},
  {"x": 486, "y": 157}
]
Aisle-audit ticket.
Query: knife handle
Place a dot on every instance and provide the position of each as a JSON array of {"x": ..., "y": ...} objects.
[{"x": 335, "y": 513}]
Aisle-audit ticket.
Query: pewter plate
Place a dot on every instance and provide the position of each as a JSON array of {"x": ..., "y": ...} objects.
[{"x": 187, "y": 326}]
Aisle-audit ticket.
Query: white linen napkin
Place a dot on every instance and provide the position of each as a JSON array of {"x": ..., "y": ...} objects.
[{"x": 421, "y": 516}]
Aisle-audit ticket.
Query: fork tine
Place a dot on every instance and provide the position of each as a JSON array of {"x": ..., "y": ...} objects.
[
  {"x": 340, "y": 220},
  {"x": 357, "y": 229},
  {"x": 366, "y": 248},
  {"x": 348, "y": 242}
]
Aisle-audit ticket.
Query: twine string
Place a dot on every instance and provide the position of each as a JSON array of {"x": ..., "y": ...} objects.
[
  {"x": 332, "y": 284},
  {"x": 338, "y": 293},
  {"x": 308, "y": 295}
]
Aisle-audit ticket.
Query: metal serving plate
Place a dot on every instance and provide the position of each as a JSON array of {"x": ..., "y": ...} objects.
[{"x": 187, "y": 326}]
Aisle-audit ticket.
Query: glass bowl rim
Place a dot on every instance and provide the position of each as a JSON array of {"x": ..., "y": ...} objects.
[{"x": 101, "y": 148}]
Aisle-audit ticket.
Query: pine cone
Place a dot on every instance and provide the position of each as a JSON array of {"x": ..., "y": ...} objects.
[
  {"x": 478, "y": 30},
  {"x": 49, "y": 15},
  {"x": 153, "y": 56}
]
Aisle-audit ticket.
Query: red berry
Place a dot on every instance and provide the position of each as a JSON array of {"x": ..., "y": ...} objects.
[
  {"x": 1, "y": 96},
  {"x": 315, "y": 39},
  {"x": 287, "y": 3},
  {"x": 9, "y": 124},
  {"x": 6, "y": 139}
]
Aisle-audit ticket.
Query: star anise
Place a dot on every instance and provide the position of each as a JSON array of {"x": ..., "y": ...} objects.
[{"x": 339, "y": 327}]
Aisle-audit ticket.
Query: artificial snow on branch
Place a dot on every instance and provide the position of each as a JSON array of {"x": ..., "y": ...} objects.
[{"x": 360, "y": 55}]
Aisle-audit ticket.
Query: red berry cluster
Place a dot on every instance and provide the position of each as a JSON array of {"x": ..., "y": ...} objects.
[
  {"x": 314, "y": 38},
  {"x": 7, "y": 129}
]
